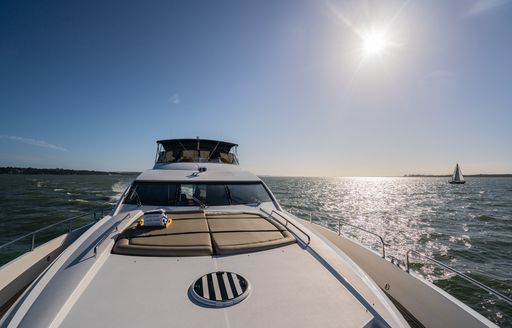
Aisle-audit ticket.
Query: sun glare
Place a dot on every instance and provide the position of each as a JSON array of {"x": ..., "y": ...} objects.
[{"x": 374, "y": 43}]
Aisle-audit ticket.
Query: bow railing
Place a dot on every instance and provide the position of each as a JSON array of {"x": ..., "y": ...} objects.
[{"x": 68, "y": 223}]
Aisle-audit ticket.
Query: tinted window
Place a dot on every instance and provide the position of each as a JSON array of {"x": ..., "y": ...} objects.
[
  {"x": 248, "y": 193},
  {"x": 216, "y": 194},
  {"x": 152, "y": 193},
  {"x": 192, "y": 194}
]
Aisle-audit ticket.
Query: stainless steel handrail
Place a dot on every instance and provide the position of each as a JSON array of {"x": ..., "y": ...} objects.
[
  {"x": 441, "y": 264},
  {"x": 107, "y": 233},
  {"x": 458, "y": 273},
  {"x": 286, "y": 224},
  {"x": 69, "y": 221},
  {"x": 342, "y": 222}
]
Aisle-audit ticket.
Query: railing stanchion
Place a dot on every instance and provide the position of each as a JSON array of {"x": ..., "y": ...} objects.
[
  {"x": 407, "y": 261},
  {"x": 343, "y": 223},
  {"x": 33, "y": 241},
  {"x": 310, "y": 218},
  {"x": 69, "y": 227}
]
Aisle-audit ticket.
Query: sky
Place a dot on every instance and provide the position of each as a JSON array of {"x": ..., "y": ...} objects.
[{"x": 305, "y": 87}]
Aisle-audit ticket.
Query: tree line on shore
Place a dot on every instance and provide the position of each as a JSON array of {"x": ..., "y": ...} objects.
[{"x": 56, "y": 171}]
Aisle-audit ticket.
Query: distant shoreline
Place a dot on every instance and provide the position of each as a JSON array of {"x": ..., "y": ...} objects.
[
  {"x": 465, "y": 175},
  {"x": 57, "y": 171}
]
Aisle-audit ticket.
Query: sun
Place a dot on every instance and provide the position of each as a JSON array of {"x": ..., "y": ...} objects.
[{"x": 375, "y": 43}]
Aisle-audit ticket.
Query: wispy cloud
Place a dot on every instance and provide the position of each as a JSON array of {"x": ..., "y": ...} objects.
[
  {"x": 34, "y": 142},
  {"x": 175, "y": 99},
  {"x": 484, "y": 6}
]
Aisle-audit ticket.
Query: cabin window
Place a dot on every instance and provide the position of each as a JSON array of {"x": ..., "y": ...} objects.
[
  {"x": 152, "y": 193},
  {"x": 191, "y": 194},
  {"x": 248, "y": 193},
  {"x": 216, "y": 195}
]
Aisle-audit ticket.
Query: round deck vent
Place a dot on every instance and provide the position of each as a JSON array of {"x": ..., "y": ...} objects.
[{"x": 220, "y": 289}]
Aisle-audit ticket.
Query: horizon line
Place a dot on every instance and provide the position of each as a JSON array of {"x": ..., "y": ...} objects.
[{"x": 416, "y": 175}]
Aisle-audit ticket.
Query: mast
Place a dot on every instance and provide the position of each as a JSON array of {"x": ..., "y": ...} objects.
[{"x": 198, "y": 150}]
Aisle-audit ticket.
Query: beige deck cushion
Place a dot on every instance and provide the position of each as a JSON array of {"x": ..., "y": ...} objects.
[
  {"x": 193, "y": 234},
  {"x": 243, "y": 233},
  {"x": 242, "y": 224},
  {"x": 184, "y": 239},
  {"x": 226, "y": 243},
  {"x": 122, "y": 246},
  {"x": 176, "y": 227},
  {"x": 188, "y": 235}
]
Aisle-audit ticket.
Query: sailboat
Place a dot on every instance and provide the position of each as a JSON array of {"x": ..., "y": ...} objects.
[{"x": 457, "y": 177}]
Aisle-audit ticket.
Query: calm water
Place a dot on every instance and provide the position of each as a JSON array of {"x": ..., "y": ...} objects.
[{"x": 466, "y": 226}]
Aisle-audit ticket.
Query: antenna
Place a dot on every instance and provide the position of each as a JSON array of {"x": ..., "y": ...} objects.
[{"x": 198, "y": 151}]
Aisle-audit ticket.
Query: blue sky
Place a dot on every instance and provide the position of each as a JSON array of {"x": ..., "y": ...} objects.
[{"x": 93, "y": 84}]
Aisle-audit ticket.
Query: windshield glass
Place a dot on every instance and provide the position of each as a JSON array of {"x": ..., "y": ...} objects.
[
  {"x": 195, "y": 194},
  {"x": 247, "y": 194},
  {"x": 150, "y": 193}
]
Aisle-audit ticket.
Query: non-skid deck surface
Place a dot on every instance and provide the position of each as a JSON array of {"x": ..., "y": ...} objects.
[{"x": 194, "y": 234}]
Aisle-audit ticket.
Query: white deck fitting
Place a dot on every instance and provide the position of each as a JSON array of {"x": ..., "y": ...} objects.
[{"x": 289, "y": 288}]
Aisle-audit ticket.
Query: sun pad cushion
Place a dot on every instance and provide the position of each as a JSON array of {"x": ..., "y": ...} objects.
[
  {"x": 194, "y": 234},
  {"x": 187, "y": 235},
  {"x": 243, "y": 233}
]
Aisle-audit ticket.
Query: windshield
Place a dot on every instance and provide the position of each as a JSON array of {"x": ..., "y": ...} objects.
[{"x": 195, "y": 194}]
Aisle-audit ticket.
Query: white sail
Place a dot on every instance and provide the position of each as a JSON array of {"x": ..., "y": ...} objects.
[
  {"x": 461, "y": 177},
  {"x": 457, "y": 174}
]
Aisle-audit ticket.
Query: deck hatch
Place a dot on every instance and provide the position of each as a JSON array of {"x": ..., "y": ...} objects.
[{"x": 220, "y": 289}]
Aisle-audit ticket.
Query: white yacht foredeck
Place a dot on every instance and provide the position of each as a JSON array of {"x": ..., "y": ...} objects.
[{"x": 157, "y": 291}]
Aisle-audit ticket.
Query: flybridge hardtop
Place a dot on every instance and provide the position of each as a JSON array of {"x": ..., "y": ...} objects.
[
  {"x": 195, "y": 150},
  {"x": 196, "y": 160}
]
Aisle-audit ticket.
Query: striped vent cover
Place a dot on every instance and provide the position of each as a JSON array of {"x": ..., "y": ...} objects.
[{"x": 220, "y": 289}]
